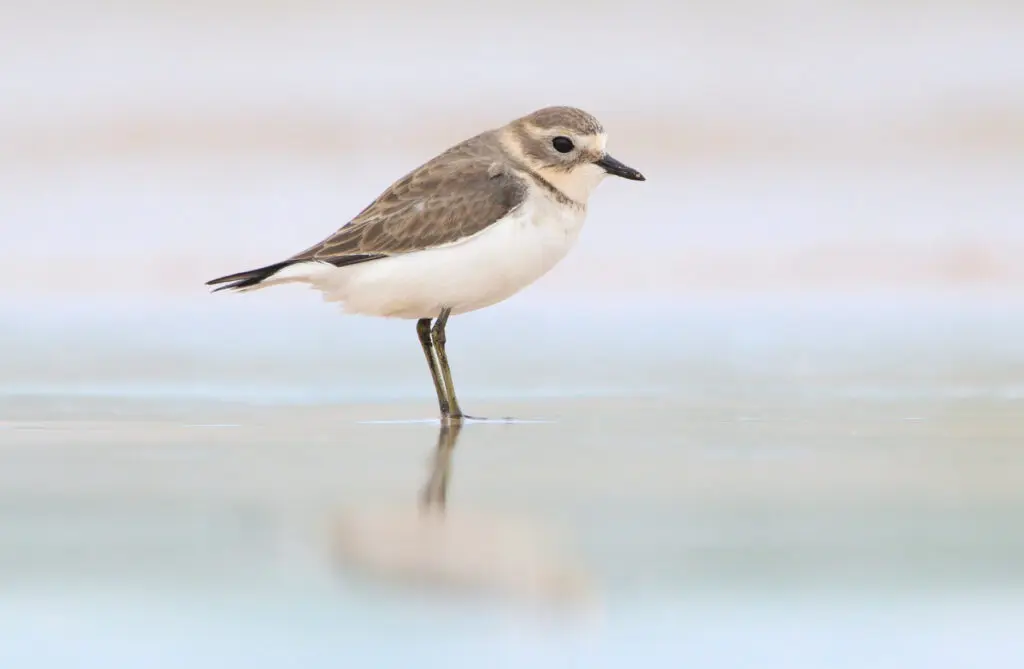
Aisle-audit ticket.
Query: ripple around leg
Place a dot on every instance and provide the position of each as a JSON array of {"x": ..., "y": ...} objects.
[{"x": 507, "y": 420}]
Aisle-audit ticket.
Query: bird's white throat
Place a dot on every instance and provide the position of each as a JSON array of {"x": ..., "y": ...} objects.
[{"x": 576, "y": 185}]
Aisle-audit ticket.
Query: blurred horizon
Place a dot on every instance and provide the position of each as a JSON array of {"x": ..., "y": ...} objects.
[{"x": 789, "y": 147}]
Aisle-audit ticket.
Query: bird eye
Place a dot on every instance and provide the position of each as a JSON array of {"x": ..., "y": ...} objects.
[{"x": 562, "y": 144}]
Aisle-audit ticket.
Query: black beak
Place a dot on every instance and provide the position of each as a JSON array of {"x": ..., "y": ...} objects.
[{"x": 612, "y": 166}]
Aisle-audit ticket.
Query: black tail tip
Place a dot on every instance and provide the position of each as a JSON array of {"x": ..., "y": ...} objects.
[
  {"x": 249, "y": 278},
  {"x": 226, "y": 286}
]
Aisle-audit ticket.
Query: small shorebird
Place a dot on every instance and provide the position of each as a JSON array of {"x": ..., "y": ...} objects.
[{"x": 468, "y": 229}]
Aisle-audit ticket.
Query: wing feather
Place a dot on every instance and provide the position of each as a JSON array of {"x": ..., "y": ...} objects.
[{"x": 456, "y": 195}]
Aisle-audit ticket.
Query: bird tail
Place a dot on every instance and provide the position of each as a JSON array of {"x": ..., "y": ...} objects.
[{"x": 248, "y": 279}]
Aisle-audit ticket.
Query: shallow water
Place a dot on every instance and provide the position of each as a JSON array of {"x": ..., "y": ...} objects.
[{"x": 799, "y": 483}]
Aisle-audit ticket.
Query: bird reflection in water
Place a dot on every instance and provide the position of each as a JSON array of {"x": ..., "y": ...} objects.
[
  {"x": 434, "y": 497},
  {"x": 460, "y": 551}
]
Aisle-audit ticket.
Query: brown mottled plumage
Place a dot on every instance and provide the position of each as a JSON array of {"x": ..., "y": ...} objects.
[{"x": 455, "y": 195}]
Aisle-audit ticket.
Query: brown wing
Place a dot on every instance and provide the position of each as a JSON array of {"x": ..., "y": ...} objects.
[{"x": 455, "y": 195}]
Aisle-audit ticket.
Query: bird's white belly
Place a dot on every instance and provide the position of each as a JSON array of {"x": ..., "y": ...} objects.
[{"x": 471, "y": 274}]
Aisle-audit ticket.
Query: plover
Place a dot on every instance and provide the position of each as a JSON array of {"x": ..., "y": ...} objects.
[{"x": 468, "y": 229}]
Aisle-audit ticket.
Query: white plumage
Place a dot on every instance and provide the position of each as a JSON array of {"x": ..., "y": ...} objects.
[{"x": 466, "y": 275}]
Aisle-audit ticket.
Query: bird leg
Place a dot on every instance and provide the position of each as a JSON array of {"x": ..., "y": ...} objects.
[
  {"x": 455, "y": 412},
  {"x": 423, "y": 332}
]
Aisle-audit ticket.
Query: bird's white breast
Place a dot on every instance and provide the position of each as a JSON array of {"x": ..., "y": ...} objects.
[{"x": 470, "y": 274}]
